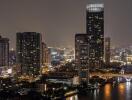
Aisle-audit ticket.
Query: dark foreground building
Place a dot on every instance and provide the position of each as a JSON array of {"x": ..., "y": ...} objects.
[
  {"x": 28, "y": 53},
  {"x": 107, "y": 50},
  {"x": 4, "y": 51},
  {"x": 81, "y": 55}
]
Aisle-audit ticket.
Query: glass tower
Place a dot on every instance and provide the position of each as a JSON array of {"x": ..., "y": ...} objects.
[
  {"x": 107, "y": 50},
  {"x": 81, "y": 55},
  {"x": 4, "y": 51},
  {"x": 95, "y": 31},
  {"x": 28, "y": 46}
]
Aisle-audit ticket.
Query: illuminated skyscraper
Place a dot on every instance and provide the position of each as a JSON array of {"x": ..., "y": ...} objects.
[
  {"x": 12, "y": 57},
  {"x": 45, "y": 55},
  {"x": 81, "y": 55},
  {"x": 107, "y": 50},
  {"x": 4, "y": 51},
  {"x": 28, "y": 46},
  {"x": 95, "y": 31}
]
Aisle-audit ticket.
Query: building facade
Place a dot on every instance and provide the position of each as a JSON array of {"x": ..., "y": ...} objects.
[
  {"x": 46, "y": 57},
  {"x": 81, "y": 55},
  {"x": 4, "y": 51},
  {"x": 107, "y": 50},
  {"x": 95, "y": 31},
  {"x": 12, "y": 57},
  {"x": 28, "y": 53}
]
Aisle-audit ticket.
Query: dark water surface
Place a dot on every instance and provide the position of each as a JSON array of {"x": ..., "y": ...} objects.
[{"x": 122, "y": 91}]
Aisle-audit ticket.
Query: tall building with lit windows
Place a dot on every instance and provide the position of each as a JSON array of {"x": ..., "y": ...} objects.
[
  {"x": 12, "y": 57},
  {"x": 28, "y": 53},
  {"x": 4, "y": 51},
  {"x": 81, "y": 55},
  {"x": 45, "y": 55},
  {"x": 107, "y": 50},
  {"x": 95, "y": 31}
]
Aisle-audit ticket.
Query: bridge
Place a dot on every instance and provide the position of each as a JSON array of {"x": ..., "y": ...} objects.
[
  {"x": 110, "y": 75},
  {"x": 127, "y": 77}
]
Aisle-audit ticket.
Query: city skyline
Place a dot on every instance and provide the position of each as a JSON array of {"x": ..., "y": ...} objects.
[
  {"x": 65, "y": 50},
  {"x": 58, "y": 21}
]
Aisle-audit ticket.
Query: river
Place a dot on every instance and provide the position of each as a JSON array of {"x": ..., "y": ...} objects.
[{"x": 122, "y": 91}]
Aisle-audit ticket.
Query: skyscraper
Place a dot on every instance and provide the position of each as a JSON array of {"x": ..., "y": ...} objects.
[
  {"x": 12, "y": 57},
  {"x": 81, "y": 55},
  {"x": 28, "y": 52},
  {"x": 45, "y": 55},
  {"x": 107, "y": 50},
  {"x": 4, "y": 51},
  {"x": 95, "y": 31}
]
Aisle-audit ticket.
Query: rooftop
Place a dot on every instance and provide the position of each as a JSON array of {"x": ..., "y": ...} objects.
[{"x": 95, "y": 7}]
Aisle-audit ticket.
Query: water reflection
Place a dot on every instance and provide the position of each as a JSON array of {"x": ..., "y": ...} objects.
[
  {"x": 96, "y": 92},
  {"x": 107, "y": 92},
  {"x": 74, "y": 97},
  {"x": 121, "y": 88},
  {"x": 122, "y": 91},
  {"x": 128, "y": 91}
]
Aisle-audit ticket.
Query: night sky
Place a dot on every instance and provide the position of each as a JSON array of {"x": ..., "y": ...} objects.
[{"x": 59, "y": 20}]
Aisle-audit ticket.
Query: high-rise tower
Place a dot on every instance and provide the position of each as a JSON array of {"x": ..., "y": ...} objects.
[
  {"x": 28, "y": 46},
  {"x": 81, "y": 55},
  {"x": 107, "y": 50},
  {"x": 4, "y": 51},
  {"x": 95, "y": 31}
]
